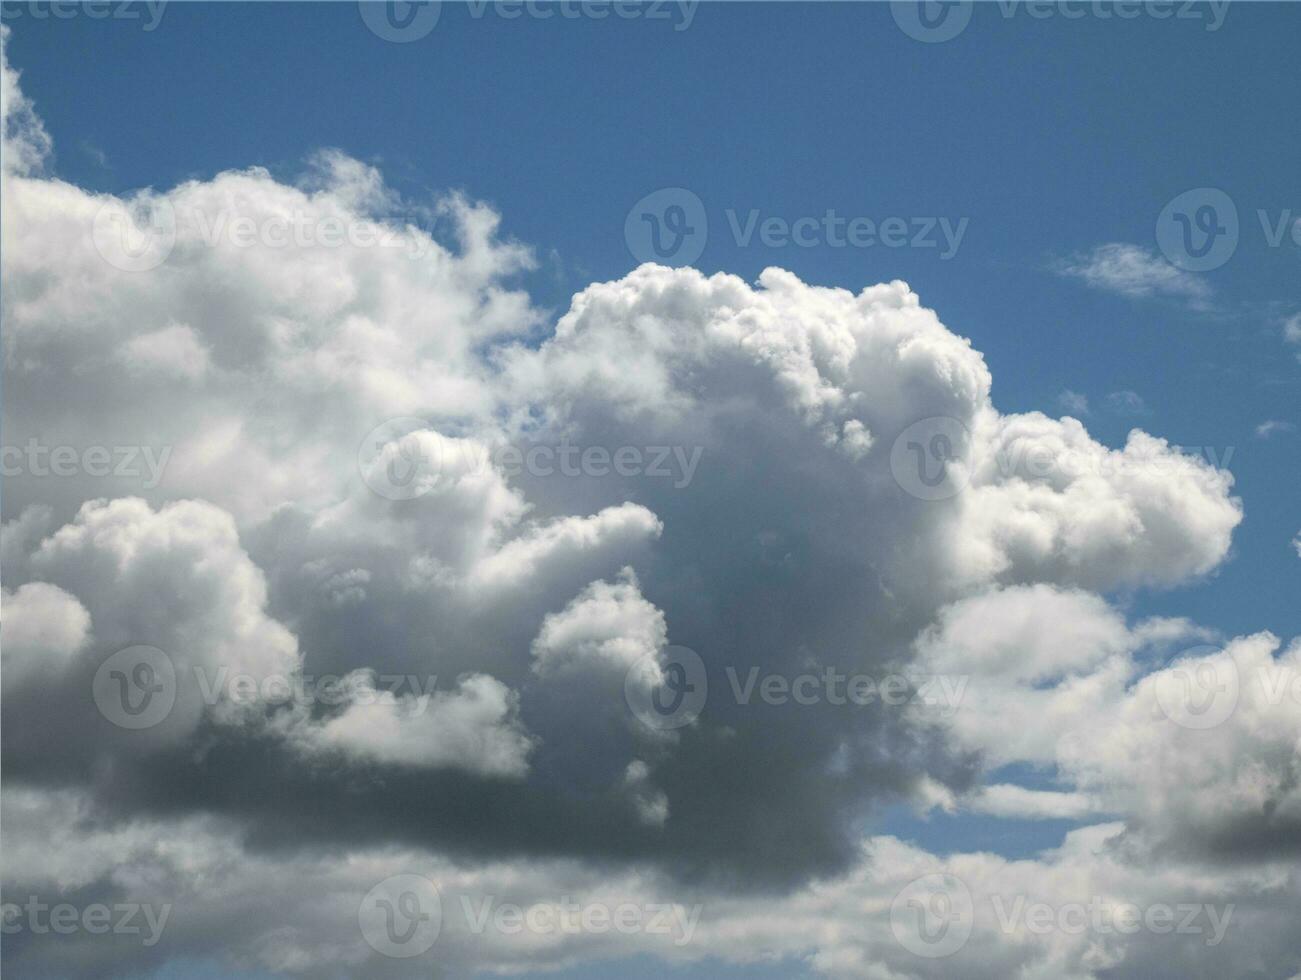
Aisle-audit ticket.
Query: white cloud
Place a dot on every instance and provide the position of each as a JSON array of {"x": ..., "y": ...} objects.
[
  {"x": 1074, "y": 402},
  {"x": 473, "y": 727},
  {"x": 1133, "y": 271},
  {"x": 267, "y": 366},
  {"x": 1292, "y": 332},
  {"x": 1126, "y": 403},
  {"x": 1273, "y": 427}
]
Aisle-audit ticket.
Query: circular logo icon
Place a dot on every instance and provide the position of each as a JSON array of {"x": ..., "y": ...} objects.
[
  {"x": 1198, "y": 230},
  {"x": 926, "y": 458},
  {"x": 398, "y": 20},
  {"x": 932, "y": 21},
  {"x": 1200, "y": 689},
  {"x": 134, "y": 236},
  {"x": 136, "y": 687},
  {"x": 932, "y": 915},
  {"x": 667, "y": 690},
  {"x": 668, "y": 227},
  {"x": 396, "y": 461},
  {"x": 402, "y": 916}
]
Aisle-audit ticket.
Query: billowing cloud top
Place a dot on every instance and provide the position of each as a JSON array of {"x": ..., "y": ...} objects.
[{"x": 403, "y": 559}]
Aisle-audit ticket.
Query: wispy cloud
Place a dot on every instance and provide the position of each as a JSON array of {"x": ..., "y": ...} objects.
[
  {"x": 1273, "y": 427},
  {"x": 1134, "y": 271},
  {"x": 1074, "y": 403},
  {"x": 1126, "y": 403},
  {"x": 1292, "y": 332}
]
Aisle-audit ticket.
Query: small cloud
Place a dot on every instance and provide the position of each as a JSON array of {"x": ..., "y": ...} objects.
[
  {"x": 1273, "y": 427},
  {"x": 1126, "y": 403},
  {"x": 95, "y": 153},
  {"x": 1074, "y": 403},
  {"x": 1292, "y": 332},
  {"x": 1133, "y": 271}
]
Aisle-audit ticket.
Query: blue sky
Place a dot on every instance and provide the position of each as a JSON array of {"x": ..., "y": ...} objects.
[
  {"x": 1049, "y": 138},
  {"x": 1052, "y": 136}
]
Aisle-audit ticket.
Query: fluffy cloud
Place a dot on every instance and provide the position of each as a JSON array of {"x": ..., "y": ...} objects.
[
  {"x": 1135, "y": 272},
  {"x": 1202, "y": 754},
  {"x": 328, "y": 389}
]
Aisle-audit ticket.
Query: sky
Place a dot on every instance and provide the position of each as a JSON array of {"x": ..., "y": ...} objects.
[{"x": 1045, "y": 226}]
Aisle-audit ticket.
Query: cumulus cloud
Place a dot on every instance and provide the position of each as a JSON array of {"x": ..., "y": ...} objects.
[
  {"x": 1136, "y": 272},
  {"x": 1273, "y": 427},
  {"x": 1074, "y": 402},
  {"x": 334, "y": 385}
]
